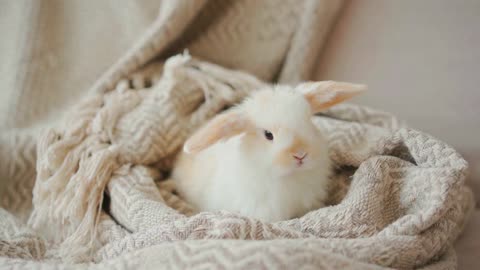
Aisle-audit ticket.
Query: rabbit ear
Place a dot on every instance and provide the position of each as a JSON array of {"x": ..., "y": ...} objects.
[
  {"x": 323, "y": 95},
  {"x": 223, "y": 126}
]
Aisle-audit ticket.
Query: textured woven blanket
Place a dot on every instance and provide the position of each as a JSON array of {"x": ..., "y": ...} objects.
[
  {"x": 102, "y": 198},
  {"x": 399, "y": 199}
]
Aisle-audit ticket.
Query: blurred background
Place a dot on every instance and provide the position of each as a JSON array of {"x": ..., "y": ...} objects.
[{"x": 420, "y": 61}]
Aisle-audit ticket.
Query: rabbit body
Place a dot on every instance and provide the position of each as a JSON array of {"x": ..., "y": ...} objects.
[
  {"x": 223, "y": 178},
  {"x": 264, "y": 159}
]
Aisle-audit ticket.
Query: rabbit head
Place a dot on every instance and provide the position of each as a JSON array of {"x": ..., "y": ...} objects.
[{"x": 276, "y": 126}]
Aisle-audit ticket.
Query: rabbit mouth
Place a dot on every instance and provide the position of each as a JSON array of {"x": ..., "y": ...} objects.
[
  {"x": 303, "y": 165},
  {"x": 300, "y": 162},
  {"x": 300, "y": 159}
]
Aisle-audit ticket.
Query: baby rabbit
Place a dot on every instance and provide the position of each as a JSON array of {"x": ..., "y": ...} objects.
[{"x": 263, "y": 158}]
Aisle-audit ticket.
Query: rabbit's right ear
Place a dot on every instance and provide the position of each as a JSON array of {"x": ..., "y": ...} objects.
[
  {"x": 223, "y": 126},
  {"x": 324, "y": 94}
]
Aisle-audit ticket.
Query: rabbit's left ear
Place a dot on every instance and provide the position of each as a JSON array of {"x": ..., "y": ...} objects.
[
  {"x": 223, "y": 126},
  {"x": 323, "y": 95}
]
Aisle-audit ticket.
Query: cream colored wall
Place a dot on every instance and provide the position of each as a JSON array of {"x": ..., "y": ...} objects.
[{"x": 421, "y": 60}]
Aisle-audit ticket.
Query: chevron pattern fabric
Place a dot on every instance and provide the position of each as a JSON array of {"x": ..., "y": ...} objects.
[
  {"x": 101, "y": 193},
  {"x": 399, "y": 199}
]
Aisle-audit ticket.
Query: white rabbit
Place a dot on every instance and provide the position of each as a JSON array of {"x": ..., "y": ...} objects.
[{"x": 263, "y": 158}]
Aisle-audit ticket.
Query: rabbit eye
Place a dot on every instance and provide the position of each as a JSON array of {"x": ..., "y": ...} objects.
[{"x": 268, "y": 135}]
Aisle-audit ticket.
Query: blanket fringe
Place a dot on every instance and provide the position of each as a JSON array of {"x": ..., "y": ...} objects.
[{"x": 107, "y": 131}]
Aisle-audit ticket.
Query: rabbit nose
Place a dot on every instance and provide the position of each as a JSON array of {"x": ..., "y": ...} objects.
[{"x": 300, "y": 155}]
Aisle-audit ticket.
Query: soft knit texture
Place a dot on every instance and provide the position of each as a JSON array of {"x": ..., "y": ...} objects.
[
  {"x": 400, "y": 200},
  {"x": 53, "y": 51}
]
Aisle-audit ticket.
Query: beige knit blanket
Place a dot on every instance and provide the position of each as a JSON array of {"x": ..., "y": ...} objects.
[{"x": 399, "y": 200}]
